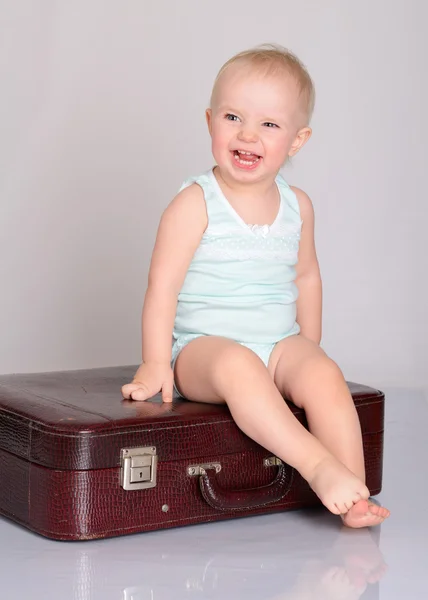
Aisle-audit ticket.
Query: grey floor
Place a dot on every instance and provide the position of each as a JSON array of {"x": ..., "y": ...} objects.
[{"x": 302, "y": 555}]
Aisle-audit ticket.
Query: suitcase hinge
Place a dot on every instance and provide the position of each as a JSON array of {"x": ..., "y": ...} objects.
[{"x": 138, "y": 468}]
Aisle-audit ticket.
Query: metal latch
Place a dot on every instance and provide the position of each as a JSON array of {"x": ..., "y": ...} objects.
[
  {"x": 272, "y": 461},
  {"x": 201, "y": 469},
  {"x": 139, "y": 466}
]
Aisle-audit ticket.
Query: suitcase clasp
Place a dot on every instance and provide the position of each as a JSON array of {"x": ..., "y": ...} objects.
[{"x": 138, "y": 468}]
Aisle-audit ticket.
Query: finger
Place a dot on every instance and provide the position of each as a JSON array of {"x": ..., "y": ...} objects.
[
  {"x": 140, "y": 394},
  {"x": 141, "y": 391},
  {"x": 167, "y": 388},
  {"x": 128, "y": 389},
  {"x": 167, "y": 393}
]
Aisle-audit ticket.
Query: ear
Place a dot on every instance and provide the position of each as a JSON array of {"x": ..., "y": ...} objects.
[
  {"x": 208, "y": 116},
  {"x": 300, "y": 140}
]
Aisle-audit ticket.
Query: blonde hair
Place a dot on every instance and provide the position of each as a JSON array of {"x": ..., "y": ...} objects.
[{"x": 269, "y": 59}]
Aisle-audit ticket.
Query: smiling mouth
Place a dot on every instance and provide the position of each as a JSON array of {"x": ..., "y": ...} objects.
[{"x": 246, "y": 158}]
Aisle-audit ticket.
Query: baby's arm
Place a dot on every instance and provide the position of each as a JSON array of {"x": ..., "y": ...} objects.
[
  {"x": 308, "y": 279},
  {"x": 179, "y": 234}
]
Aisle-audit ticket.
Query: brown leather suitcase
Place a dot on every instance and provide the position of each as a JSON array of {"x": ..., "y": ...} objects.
[{"x": 79, "y": 463}]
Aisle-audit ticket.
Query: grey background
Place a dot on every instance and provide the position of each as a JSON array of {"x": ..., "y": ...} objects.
[{"x": 102, "y": 117}]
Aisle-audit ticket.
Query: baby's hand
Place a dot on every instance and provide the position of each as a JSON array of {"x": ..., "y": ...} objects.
[{"x": 150, "y": 379}]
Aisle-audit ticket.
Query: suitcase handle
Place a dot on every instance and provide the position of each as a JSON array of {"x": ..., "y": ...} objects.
[{"x": 236, "y": 500}]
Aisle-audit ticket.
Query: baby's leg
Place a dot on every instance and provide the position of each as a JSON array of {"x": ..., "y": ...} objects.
[
  {"x": 214, "y": 369},
  {"x": 303, "y": 373}
]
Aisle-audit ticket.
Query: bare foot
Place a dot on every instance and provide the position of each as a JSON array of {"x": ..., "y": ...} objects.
[
  {"x": 365, "y": 514},
  {"x": 336, "y": 487}
]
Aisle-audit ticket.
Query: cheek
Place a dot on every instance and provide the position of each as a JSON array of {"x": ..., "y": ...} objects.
[
  {"x": 278, "y": 145},
  {"x": 220, "y": 139}
]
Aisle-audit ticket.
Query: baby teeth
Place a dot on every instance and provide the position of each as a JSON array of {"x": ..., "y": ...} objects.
[
  {"x": 245, "y": 162},
  {"x": 248, "y": 162}
]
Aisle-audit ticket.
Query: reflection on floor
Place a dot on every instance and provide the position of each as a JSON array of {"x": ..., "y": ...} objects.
[{"x": 301, "y": 555}]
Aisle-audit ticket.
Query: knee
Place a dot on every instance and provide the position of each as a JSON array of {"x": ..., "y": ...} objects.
[
  {"x": 316, "y": 374},
  {"x": 326, "y": 368},
  {"x": 233, "y": 364},
  {"x": 315, "y": 380}
]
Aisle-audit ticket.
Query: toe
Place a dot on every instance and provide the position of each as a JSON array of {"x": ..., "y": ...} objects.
[
  {"x": 361, "y": 508},
  {"x": 364, "y": 514},
  {"x": 378, "y": 511},
  {"x": 335, "y": 509}
]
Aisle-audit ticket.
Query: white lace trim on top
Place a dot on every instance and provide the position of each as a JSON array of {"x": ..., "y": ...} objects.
[{"x": 228, "y": 245}]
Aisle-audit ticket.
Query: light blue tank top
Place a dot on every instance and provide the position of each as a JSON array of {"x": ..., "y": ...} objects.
[{"x": 240, "y": 283}]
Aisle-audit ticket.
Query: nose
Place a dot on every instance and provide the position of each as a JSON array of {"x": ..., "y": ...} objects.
[{"x": 247, "y": 134}]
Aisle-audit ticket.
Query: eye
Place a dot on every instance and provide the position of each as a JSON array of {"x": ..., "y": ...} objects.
[
  {"x": 271, "y": 125},
  {"x": 231, "y": 117}
]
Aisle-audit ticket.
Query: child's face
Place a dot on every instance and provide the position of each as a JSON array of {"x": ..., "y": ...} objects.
[{"x": 255, "y": 122}]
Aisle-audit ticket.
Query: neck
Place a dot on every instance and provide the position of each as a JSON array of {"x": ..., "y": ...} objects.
[{"x": 259, "y": 189}]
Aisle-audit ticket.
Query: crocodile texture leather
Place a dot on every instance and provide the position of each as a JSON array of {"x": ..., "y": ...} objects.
[
  {"x": 60, "y": 441},
  {"x": 237, "y": 500}
]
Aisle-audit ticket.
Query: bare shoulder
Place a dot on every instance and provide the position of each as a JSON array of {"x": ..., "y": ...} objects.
[
  {"x": 181, "y": 228},
  {"x": 305, "y": 203},
  {"x": 188, "y": 209},
  {"x": 308, "y": 262}
]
